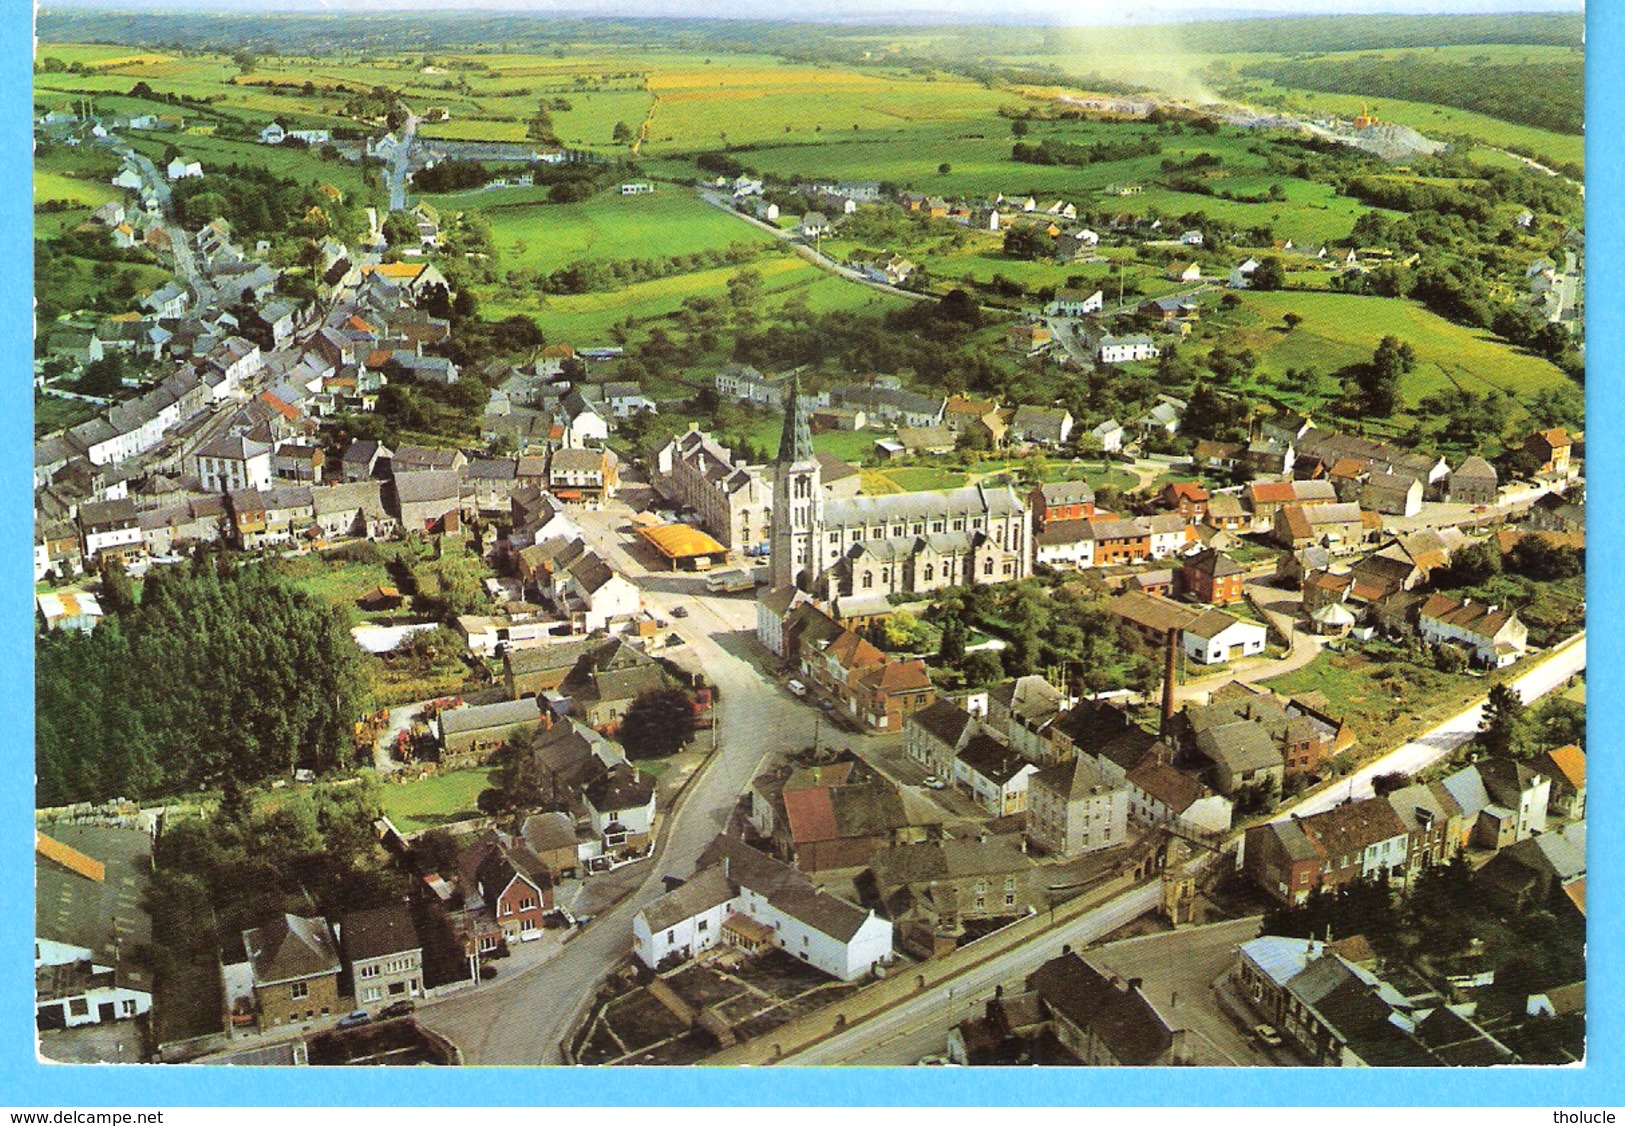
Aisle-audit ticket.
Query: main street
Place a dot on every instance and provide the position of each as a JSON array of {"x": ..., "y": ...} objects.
[{"x": 523, "y": 1019}]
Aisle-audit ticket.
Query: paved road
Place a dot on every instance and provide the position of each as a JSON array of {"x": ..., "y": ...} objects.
[
  {"x": 1565, "y": 662},
  {"x": 920, "y": 1025},
  {"x": 180, "y": 244},
  {"x": 821, "y": 261},
  {"x": 397, "y": 174},
  {"x": 521, "y": 1020}
]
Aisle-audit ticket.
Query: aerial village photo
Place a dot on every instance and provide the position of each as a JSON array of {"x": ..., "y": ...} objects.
[{"x": 572, "y": 539}]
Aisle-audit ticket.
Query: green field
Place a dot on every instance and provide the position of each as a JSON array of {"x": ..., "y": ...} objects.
[
  {"x": 1339, "y": 330},
  {"x": 543, "y": 236},
  {"x": 56, "y": 185},
  {"x": 435, "y": 801},
  {"x": 923, "y": 478},
  {"x": 586, "y": 319}
]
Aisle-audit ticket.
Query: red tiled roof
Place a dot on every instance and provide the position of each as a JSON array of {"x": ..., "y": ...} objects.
[
  {"x": 286, "y": 411},
  {"x": 900, "y": 676},
  {"x": 1272, "y": 492},
  {"x": 811, "y": 815},
  {"x": 1571, "y": 760}
]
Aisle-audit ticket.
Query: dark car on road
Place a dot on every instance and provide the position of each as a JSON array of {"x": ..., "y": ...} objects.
[{"x": 399, "y": 1008}]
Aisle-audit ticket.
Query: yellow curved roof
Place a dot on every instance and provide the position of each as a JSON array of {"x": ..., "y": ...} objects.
[{"x": 680, "y": 541}]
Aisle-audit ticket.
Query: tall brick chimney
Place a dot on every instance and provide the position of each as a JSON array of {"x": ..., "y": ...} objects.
[{"x": 1168, "y": 681}]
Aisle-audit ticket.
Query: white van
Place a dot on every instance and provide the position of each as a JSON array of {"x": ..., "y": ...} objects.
[{"x": 797, "y": 687}]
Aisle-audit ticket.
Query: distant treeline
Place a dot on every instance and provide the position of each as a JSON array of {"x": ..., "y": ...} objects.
[
  {"x": 378, "y": 33},
  {"x": 1376, "y": 33},
  {"x": 1547, "y": 95}
]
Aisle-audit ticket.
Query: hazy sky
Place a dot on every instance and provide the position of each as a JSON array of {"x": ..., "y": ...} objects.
[{"x": 1074, "y": 12}]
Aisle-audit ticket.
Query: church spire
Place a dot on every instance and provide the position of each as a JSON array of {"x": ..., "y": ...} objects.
[{"x": 795, "y": 442}]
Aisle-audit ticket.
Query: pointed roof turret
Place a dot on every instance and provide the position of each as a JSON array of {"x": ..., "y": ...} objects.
[{"x": 795, "y": 442}]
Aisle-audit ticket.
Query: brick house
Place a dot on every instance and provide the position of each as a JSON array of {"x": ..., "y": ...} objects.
[
  {"x": 295, "y": 965},
  {"x": 1062, "y": 500},
  {"x": 1360, "y": 840},
  {"x": 1212, "y": 577},
  {"x": 499, "y": 876},
  {"x": 1119, "y": 541},
  {"x": 1187, "y": 498}
]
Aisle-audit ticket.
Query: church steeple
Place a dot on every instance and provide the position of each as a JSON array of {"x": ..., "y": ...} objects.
[
  {"x": 795, "y": 441},
  {"x": 798, "y": 500}
]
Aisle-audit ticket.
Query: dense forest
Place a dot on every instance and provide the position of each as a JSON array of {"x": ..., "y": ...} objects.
[
  {"x": 1546, "y": 95},
  {"x": 209, "y": 676}
]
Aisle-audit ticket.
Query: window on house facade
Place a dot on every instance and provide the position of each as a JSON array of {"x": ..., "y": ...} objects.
[
  {"x": 78, "y": 1007},
  {"x": 703, "y": 925},
  {"x": 299, "y": 990}
]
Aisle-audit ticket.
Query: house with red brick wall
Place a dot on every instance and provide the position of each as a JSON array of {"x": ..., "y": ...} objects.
[
  {"x": 1212, "y": 577},
  {"x": 1187, "y": 498}
]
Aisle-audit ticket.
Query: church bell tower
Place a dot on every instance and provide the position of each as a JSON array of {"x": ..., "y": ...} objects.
[{"x": 798, "y": 500}]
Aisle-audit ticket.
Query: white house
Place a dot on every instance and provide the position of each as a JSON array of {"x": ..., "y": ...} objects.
[
  {"x": 128, "y": 178},
  {"x": 1126, "y": 349},
  {"x": 620, "y": 808},
  {"x": 586, "y": 427},
  {"x": 1215, "y": 637},
  {"x": 1065, "y": 544},
  {"x": 746, "y": 900},
  {"x": 1497, "y": 637},
  {"x": 179, "y": 169},
  {"x": 273, "y": 134},
  {"x": 1110, "y": 435},
  {"x": 68, "y": 981},
  {"x": 1242, "y": 276},
  {"x": 996, "y": 777},
  {"x": 637, "y": 189},
  {"x": 1160, "y": 794},
  {"x": 1168, "y": 535},
  {"x": 231, "y": 462},
  {"x": 1075, "y": 303},
  {"x": 597, "y": 594},
  {"x": 1191, "y": 238}
]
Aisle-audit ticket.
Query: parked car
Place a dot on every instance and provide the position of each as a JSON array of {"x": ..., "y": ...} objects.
[
  {"x": 679, "y": 611},
  {"x": 932, "y": 782},
  {"x": 797, "y": 688},
  {"x": 355, "y": 1019},
  {"x": 1265, "y": 1034},
  {"x": 401, "y": 1008}
]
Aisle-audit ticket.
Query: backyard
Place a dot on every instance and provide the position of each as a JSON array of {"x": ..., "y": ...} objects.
[{"x": 431, "y": 802}]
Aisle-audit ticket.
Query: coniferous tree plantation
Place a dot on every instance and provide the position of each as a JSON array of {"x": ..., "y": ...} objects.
[{"x": 210, "y": 676}]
